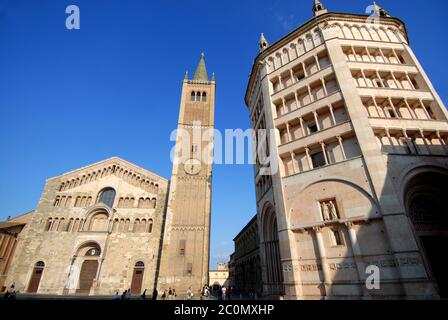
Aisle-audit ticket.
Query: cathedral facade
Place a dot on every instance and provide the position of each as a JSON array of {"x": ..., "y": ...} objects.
[
  {"x": 361, "y": 141},
  {"x": 106, "y": 227}
]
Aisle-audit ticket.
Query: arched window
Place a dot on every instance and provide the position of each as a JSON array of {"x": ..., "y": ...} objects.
[
  {"x": 204, "y": 96},
  {"x": 107, "y": 196},
  {"x": 193, "y": 96}
]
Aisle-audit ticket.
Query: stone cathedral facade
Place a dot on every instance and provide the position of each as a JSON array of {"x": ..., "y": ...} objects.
[
  {"x": 113, "y": 225},
  {"x": 362, "y": 146}
]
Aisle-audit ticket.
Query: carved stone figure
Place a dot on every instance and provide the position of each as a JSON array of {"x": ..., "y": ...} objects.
[
  {"x": 325, "y": 211},
  {"x": 333, "y": 211}
]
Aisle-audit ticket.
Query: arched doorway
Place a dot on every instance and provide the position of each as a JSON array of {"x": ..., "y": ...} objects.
[
  {"x": 36, "y": 276},
  {"x": 137, "y": 277},
  {"x": 274, "y": 274},
  {"x": 425, "y": 205},
  {"x": 89, "y": 268}
]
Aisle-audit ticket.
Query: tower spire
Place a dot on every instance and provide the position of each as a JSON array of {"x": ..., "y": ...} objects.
[
  {"x": 262, "y": 43},
  {"x": 201, "y": 70},
  {"x": 380, "y": 11},
  {"x": 319, "y": 8}
]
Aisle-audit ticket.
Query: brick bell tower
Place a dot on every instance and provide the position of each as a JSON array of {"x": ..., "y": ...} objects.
[{"x": 186, "y": 242}]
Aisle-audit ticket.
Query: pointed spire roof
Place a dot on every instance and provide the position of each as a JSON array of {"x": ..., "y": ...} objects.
[
  {"x": 380, "y": 11},
  {"x": 201, "y": 70},
  {"x": 262, "y": 43},
  {"x": 319, "y": 8}
]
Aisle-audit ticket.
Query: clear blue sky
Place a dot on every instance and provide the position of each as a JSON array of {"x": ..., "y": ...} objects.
[{"x": 71, "y": 98}]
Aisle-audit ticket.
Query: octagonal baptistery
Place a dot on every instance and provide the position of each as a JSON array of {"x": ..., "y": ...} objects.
[{"x": 360, "y": 133}]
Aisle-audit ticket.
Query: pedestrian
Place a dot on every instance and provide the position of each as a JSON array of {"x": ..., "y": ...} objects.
[
  {"x": 224, "y": 290},
  {"x": 170, "y": 294},
  {"x": 6, "y": 295},
  {"x": 174, "y": 294},
  {"x": 189, "y": 294},
  {"x": 123, "y": 295},
  {"x": 163, "y": 295},
  {"x": 128, "y": 294},
  {"x": 116, "y": 296},
  {"x": 144, "y": 295},
  {"x": 155, "y": 293}
]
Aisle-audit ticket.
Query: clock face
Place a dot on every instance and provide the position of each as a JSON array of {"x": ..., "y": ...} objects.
[{"x": 192, "y": 166}]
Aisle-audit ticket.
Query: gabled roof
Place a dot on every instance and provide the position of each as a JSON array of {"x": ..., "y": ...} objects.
[{"x": 112, "y": 161}]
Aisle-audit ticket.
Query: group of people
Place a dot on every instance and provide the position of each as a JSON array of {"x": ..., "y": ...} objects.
[
  {"x": 11, "y": 293},
  {"x": 169, "y": 294}
]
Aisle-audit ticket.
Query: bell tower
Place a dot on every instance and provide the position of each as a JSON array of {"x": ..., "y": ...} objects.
[{"x": 186, "y": 241}]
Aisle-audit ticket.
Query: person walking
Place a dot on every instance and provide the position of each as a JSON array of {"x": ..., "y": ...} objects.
[
  {"x": 144, "y": 295},
  {"x": 189, "y": 294},
  {"x": 224, "y": 290},
  {"x": 123, "y": 295},
  {"x": 116, "y": 296},
  {"x": 155, "y": 293},
  {"x": 170, "y": 294},
  {"x": 174, "y": 294}
]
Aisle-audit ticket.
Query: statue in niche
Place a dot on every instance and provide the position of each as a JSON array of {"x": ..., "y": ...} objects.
[
  {"x": 325, "y": 211},
  {"x": 333, "y": 211}
]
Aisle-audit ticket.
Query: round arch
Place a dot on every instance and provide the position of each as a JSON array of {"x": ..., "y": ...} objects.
[
  {"x": 336, "y": 188},
  {"x": 423, "y": 193}
]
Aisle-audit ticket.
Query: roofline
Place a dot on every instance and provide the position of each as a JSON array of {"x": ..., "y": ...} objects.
[
  {"x": 106, "y": 160},
  {"x": 311, "y": 21},
  {"x": 254, "y": 218}
]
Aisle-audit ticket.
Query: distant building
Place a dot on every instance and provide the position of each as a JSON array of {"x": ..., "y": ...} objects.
[
  {"x": 362, "y": 143},
  {"x": 220, "y": 276},
  {"x": 9, "y": 232},
  {"x": 245, "y": 260}
]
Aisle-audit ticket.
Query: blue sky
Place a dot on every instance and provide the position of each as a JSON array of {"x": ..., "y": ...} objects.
[{"x": 112, "y": 88}]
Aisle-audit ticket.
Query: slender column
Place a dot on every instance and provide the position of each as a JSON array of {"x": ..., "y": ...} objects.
[
  {"x": 411, "y": 111},
  {"x": 322, "y": 255},
  {"x": 341, "y": 145},
  {"x": 324, "y": 151},
  {"x": 292, "y": 76},
  {"x": 379, "y": 78},
  {"x": 399, "y": 86},
  {"x": 308, "y": 158},
  {"x": 393, "y": 107},
  {"x": 357, "y": 256},
  {"x": 317, "y": 62},
  {"x": 389, "y": 138},
  {"x": 408, "y": 142},
  {"x": 293, "y": 157},
  {"x": 288, "y": 132},
  {"x": 330, "y": 107},
  {"x": 409, "y": 80},
  {"x": 378, "y": 109},
  {"x": 422, "y": 135},
  {"x": 309, "y": 92},
  {"x": 284, "y": 106},
  {"x": 364, "y": 77},
  {"x": 442, "y": 142},
  {"x": 324, "y": 86},
  {"x": 305, "y": 73},
  {"x": 280, "y": 82},
  {"x": 396, "y": 56},
  {"x": 369, "y": 55},
  {"x": 302, "y": 126},
  {"x": 354, "y": 53},
  {"x": 424, "y": 109},
  {"x": 316, "y": 119},
  {"x": 382, "y": 55},
  {"x": 297, "y": 99}
]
